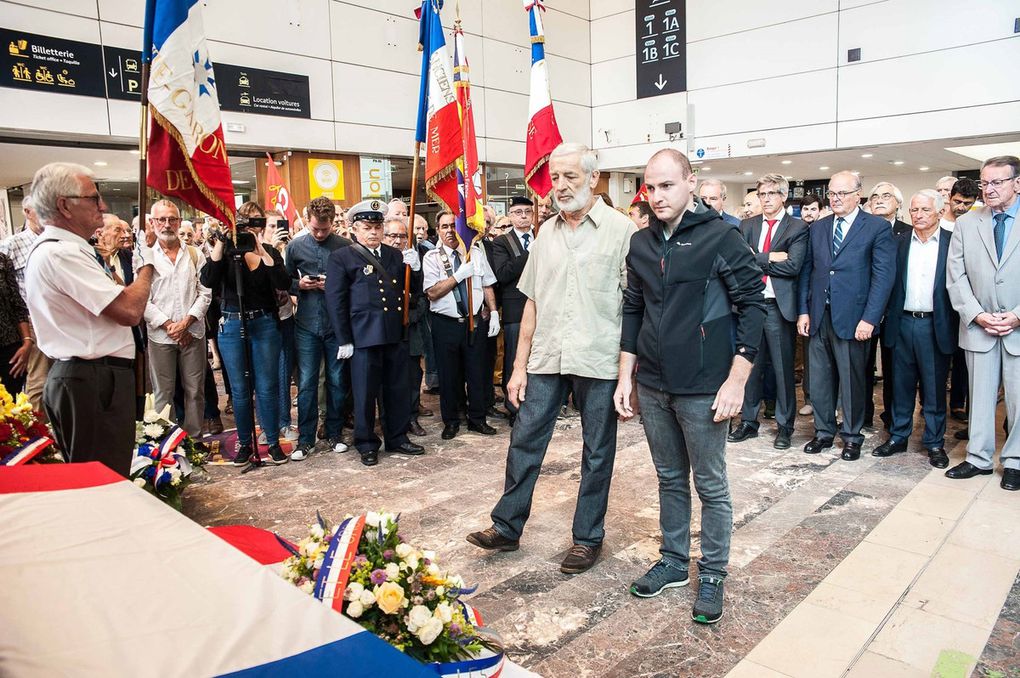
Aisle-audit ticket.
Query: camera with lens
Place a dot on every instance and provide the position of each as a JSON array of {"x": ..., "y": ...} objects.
[{"x": 245, "y": 240}]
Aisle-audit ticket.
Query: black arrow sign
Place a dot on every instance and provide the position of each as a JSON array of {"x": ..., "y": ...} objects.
[{"x": 660, "y": 47}]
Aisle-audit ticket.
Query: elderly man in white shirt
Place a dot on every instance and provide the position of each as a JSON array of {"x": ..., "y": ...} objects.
[{"x": 175, "y": 316}]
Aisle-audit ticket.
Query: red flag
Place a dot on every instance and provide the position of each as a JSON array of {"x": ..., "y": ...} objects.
[
  {"x": 471, "y": 219},
  {"x": 187, "y": 156},
  {"x": 277, "y": 195},
  {"x": 543, "y": 133},
  {"x": 641, "y": 195}
]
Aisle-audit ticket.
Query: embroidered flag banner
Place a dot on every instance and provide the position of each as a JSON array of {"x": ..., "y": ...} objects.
[
  {"x": 543, "y": 134},
  {"x": 187, "y": 157},
  {"x": 277, "y": 195},
  {"x": 471, "y": 216}
]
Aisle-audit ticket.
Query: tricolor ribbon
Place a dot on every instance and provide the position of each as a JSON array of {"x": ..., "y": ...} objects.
[
  {"x": 26, "y": 452},
  {"x": 331, "y": 583}
]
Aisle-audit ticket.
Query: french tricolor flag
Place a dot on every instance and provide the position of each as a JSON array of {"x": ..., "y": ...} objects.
[{"x": 543, "y": 134}]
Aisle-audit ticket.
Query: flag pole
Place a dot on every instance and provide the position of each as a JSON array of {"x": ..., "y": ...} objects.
[
  {"x": 141, "y": 369},
  {"x": 410, "y": 231}
]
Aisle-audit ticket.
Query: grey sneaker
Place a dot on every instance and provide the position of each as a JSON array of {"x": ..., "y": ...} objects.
[
  {"x": 301, "y": 453},
  {"x": 708, "y": 606},
  {"x": 662, "y": 576}
]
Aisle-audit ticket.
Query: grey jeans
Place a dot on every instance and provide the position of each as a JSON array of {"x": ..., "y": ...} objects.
[
  {"x": 530, "y": 439},
  {"x": 165, "y": 362},
  {"x": 683, "y": 438}
]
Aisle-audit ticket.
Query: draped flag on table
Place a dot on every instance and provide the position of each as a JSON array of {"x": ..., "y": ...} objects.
[
  {"x": 277, "y": 195},
  {"x": 471, "y": 216},
  {"x": 187, "y": 157},
  {"x": 438, "y": 128},
  {"x": 543, "y": 134}
]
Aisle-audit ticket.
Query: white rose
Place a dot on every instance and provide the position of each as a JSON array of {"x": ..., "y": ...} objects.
[
  {"x": 317, "y": 532},
  {"x": 404, "y": 550},
  {"x": 440, "y": 590},
  {"x": 367, "y": 598},
  {"x": 392, "y": 571},
  {"x": 371, "y": 519},
  {"x": 308, "y": 587},
  {"x": 430, "y": 631},
  {"x": 355, "y": 610},
  {"x": 318, "y": 563},
  {"x": 433, "y": 570},
  {"x": 354, "y": 590},
  {"x": 417, "y": 617},
  {"x": 140, "y": 482},
  {"x": 429, "y": 555},
  {"x": 444, "y": 613}
]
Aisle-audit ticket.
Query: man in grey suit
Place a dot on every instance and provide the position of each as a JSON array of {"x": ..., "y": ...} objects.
[
  {"x": 984, "y": 285},
  {"x": 780, "y": 244}
]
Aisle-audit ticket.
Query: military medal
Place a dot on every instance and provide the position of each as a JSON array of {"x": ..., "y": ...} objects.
[{"x": 368, "y": 269}]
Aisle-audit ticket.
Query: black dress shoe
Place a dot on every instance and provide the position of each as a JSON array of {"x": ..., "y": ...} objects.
[
  {"x": 484, "y": 429},
  {"x": 889, "y": 448},
  {"x": 851, "y": 451},
  {"x": 1010, "y": 479},
  {"x": 962, "y": 434},
  {"x": 965, "y": 469},
  {"x": 959, "y": 414},
  {"x": 937, "y": 457},
  {"x": 782, "y": 441},
  {"x": 816, "y": 445},
  {"x": 742, "y": 433},
  {"x": 450, "y": 431},
  {"x": 407, "y": 448},
  {"x": 495, "y": 414},
  {"x": 370, "y": 457},
  {"x": 415, "y": 428}
]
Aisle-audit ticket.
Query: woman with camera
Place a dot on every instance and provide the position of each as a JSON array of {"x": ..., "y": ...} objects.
[{"x": 262, "y": 274}]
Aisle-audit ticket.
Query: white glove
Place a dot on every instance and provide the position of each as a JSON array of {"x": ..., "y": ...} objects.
[
  {"x": 466, "y": 270},
  {"x": 146, "y": 255},
  {"x": 345, "y": 352},
  {"x": 412, "y": 260},
  {"x": 493, "y": 324}
]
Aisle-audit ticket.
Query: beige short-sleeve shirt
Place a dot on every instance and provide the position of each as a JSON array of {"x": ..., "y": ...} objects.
[{"x": 576, "y": 278}]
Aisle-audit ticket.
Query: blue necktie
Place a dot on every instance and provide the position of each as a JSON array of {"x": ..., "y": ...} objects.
[
  {"x": 837, "y": 237},
  {"x": 527, "y": 239},
  {"x": 1000, "y": 233},
  {"x": 460, "y": 292}
]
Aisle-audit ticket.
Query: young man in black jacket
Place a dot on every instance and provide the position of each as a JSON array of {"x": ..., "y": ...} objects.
[{"x": 685, "y": 274}]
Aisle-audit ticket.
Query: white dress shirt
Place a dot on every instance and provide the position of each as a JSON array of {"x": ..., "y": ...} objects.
[
  {"x": 947, "y": 224},
  {"x": 67, "y": 293},
  {"x": 769, "y": 292},
  {"x": 520, "y": 236},
  {"x": 176, "y": 292},
  {"x": 848, "y": 221},
  {"x": 434, "y": 270},
  {"x": 923, "y": 258}
]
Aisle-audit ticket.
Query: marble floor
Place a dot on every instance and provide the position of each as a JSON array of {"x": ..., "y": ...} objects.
[{"x": 880, "y": 567}]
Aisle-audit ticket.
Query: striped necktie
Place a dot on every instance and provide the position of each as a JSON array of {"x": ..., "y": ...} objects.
[{"x": 837, "y": 237}]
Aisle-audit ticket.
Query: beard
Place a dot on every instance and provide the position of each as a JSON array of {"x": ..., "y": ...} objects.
[{"x": 576, "y": 203}]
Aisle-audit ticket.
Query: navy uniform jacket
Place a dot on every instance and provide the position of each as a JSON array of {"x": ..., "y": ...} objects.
[{"x": 365, "y": 305}]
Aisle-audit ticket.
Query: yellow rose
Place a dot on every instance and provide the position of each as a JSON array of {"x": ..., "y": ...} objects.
[{"x": 389, "y": 597}]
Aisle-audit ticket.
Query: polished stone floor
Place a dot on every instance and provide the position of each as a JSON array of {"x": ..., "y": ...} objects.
[{"x": 869, "y": 568}]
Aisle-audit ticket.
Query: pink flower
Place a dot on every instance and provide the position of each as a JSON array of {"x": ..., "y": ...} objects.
[{"x": 378, "y": 577}]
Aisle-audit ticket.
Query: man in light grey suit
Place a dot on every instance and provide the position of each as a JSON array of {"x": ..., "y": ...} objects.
[{"x": 983, "y": 276}]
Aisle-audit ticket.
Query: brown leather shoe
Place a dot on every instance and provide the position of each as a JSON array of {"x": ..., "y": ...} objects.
[
  {"x": 425, "y": 412},
  {"x": 415, "y": 428},
  {"x": 580, "y": 558},
  {"x": 490, "y": 539}
]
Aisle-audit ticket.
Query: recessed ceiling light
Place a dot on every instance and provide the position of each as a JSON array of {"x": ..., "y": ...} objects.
[
  {"x": 239, "y": 181},
  {"x": 867, "y": 155},
  {"x": 897, "y": 162},
  {"x": 747, "y": 174},
  {"x": 787, "y": 162},
  {"x": 134, "y": 151},
  {"x": 788, "y": 178},
  {"x": 924, "y": 169},
  {"x": 855, "y": 172},
  {"x": 705, "y": 169},
  {"x": 100, "y": 163},
  {"x": 824, "y": 167}
]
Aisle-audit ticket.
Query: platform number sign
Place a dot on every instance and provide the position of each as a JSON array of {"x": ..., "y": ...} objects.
[{"x": 661, "y": 35}]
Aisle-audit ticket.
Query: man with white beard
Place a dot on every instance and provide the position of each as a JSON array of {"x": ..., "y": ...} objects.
[{"x": 569, "y": 338}]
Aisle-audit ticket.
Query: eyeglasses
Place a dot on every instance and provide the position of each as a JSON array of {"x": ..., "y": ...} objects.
[
  {"x": 994, "y": 183},
  {"x": 94, "y": 198},
  {"x": 921, "y": 210},
  {"x": 521, "y": 213},
  {"x": 396, "y": 236},
  {"x": 173, "y": 221},
  {"x": 762, "y": 195},
  {"x": 882, "y": 196},
  {"x": 842, "y": 195}
]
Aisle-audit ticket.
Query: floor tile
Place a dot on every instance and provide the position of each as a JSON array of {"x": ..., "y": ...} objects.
[
  {"x": 971, "y": 485},
  {"x": 911, "y": 531},
  {"x": 989, "y": 526},
  {"x": 871, "y": 665},
  {"x": 748, "y": 669},
  {"x": 877, "y": 569},
  {"x": 918, "y": 638},
  {"x": 965, "y": 585},
  {"x": 937, "y": 500},
  {"x": 867, "y": 607}
]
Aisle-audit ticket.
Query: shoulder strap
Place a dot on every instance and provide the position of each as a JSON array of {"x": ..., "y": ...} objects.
[
  {"x": 193, "y": 253},
  {"x": 363, "y": 252},
  {"x": 511, "y": 238}
]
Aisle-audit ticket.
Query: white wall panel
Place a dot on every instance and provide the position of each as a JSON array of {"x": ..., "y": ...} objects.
[
  {"x": 956, "y": 123},
  {"x": 374, "y": 140},
  {"x": 504, "y": 152},
  {"x": 25, "y": 111},
  {"x": 369, "y": 97},
  {"x": 263, "y": 131},
  {"x": 569, "y": 80},
  {"x": 632, "y": 123},
  {"x": 508, "y": 67},
  {"x": 729, "y": 109},
  {"x": 709, "y": 19},
  {"x": 614, "y": 81},
  {"x": 612, "y": 37},
  {"x": 565, "y": 35},
  {"x": 297, "y": 26},
  {"x": 506, "y": 115},
  {"x": 934, "y": 25},
  {"x": 82, "y": 8},
  {"x": 763, "y": 53},
  {"x": 376, "y": 39},
  {"x": 988, "y": 70},
  {"x": 604, "y": 8},
  {"x": 777, "y": 142},
  {"x": 43, "y": 22},
  {"x": 579, "y": 8},
  {"x": 574, "y": 123},
  {"x": 508, "y": 22},
  {"x": 130, "y": 12}
]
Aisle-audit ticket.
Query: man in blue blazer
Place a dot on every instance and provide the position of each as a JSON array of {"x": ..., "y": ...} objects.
[
  {"x": 844, "y": 287},
  {"x": 920, "y": 331}
]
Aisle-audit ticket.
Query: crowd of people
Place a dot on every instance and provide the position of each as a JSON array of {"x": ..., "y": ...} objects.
[{"x": 672, "y": 310}]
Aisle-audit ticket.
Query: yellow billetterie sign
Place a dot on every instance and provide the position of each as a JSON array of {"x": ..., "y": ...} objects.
[{"x": 326, "y": 177}]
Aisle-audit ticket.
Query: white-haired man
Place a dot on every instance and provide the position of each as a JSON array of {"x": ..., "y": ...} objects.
[
  {"x": 84, "y": 319},
  {"x": 713, "y": 193}
]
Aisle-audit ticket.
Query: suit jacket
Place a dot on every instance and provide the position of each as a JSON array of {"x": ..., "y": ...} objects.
[
  {"x": 365, "y": 305},
  {"x": 901, "y": 229},
  {"x": 857, "y": 281},
  {"x": 944, "y": 319},
  {"x": 980, "y": 282},
  {"x": 497, "y": 289},
  {"x": 789, "y": 235},
  {"x": 507, "y": 268}
]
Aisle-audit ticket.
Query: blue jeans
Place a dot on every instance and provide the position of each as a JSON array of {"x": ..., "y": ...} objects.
[
  {"x": 312, "y": 350},
  {"x": 529, "y": 440},
  {"x": 264, "y": 337},
  {"x": 286, "y": 368},
  {"x": 682, "y": 437}
]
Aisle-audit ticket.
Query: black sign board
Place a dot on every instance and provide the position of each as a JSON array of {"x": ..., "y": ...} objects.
[
  {"x": 46, "y": 64},
  {"x": 661, "y": 41},
  {"x": 123, "y": 73},
  {"x": 253, "y": 90}
]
